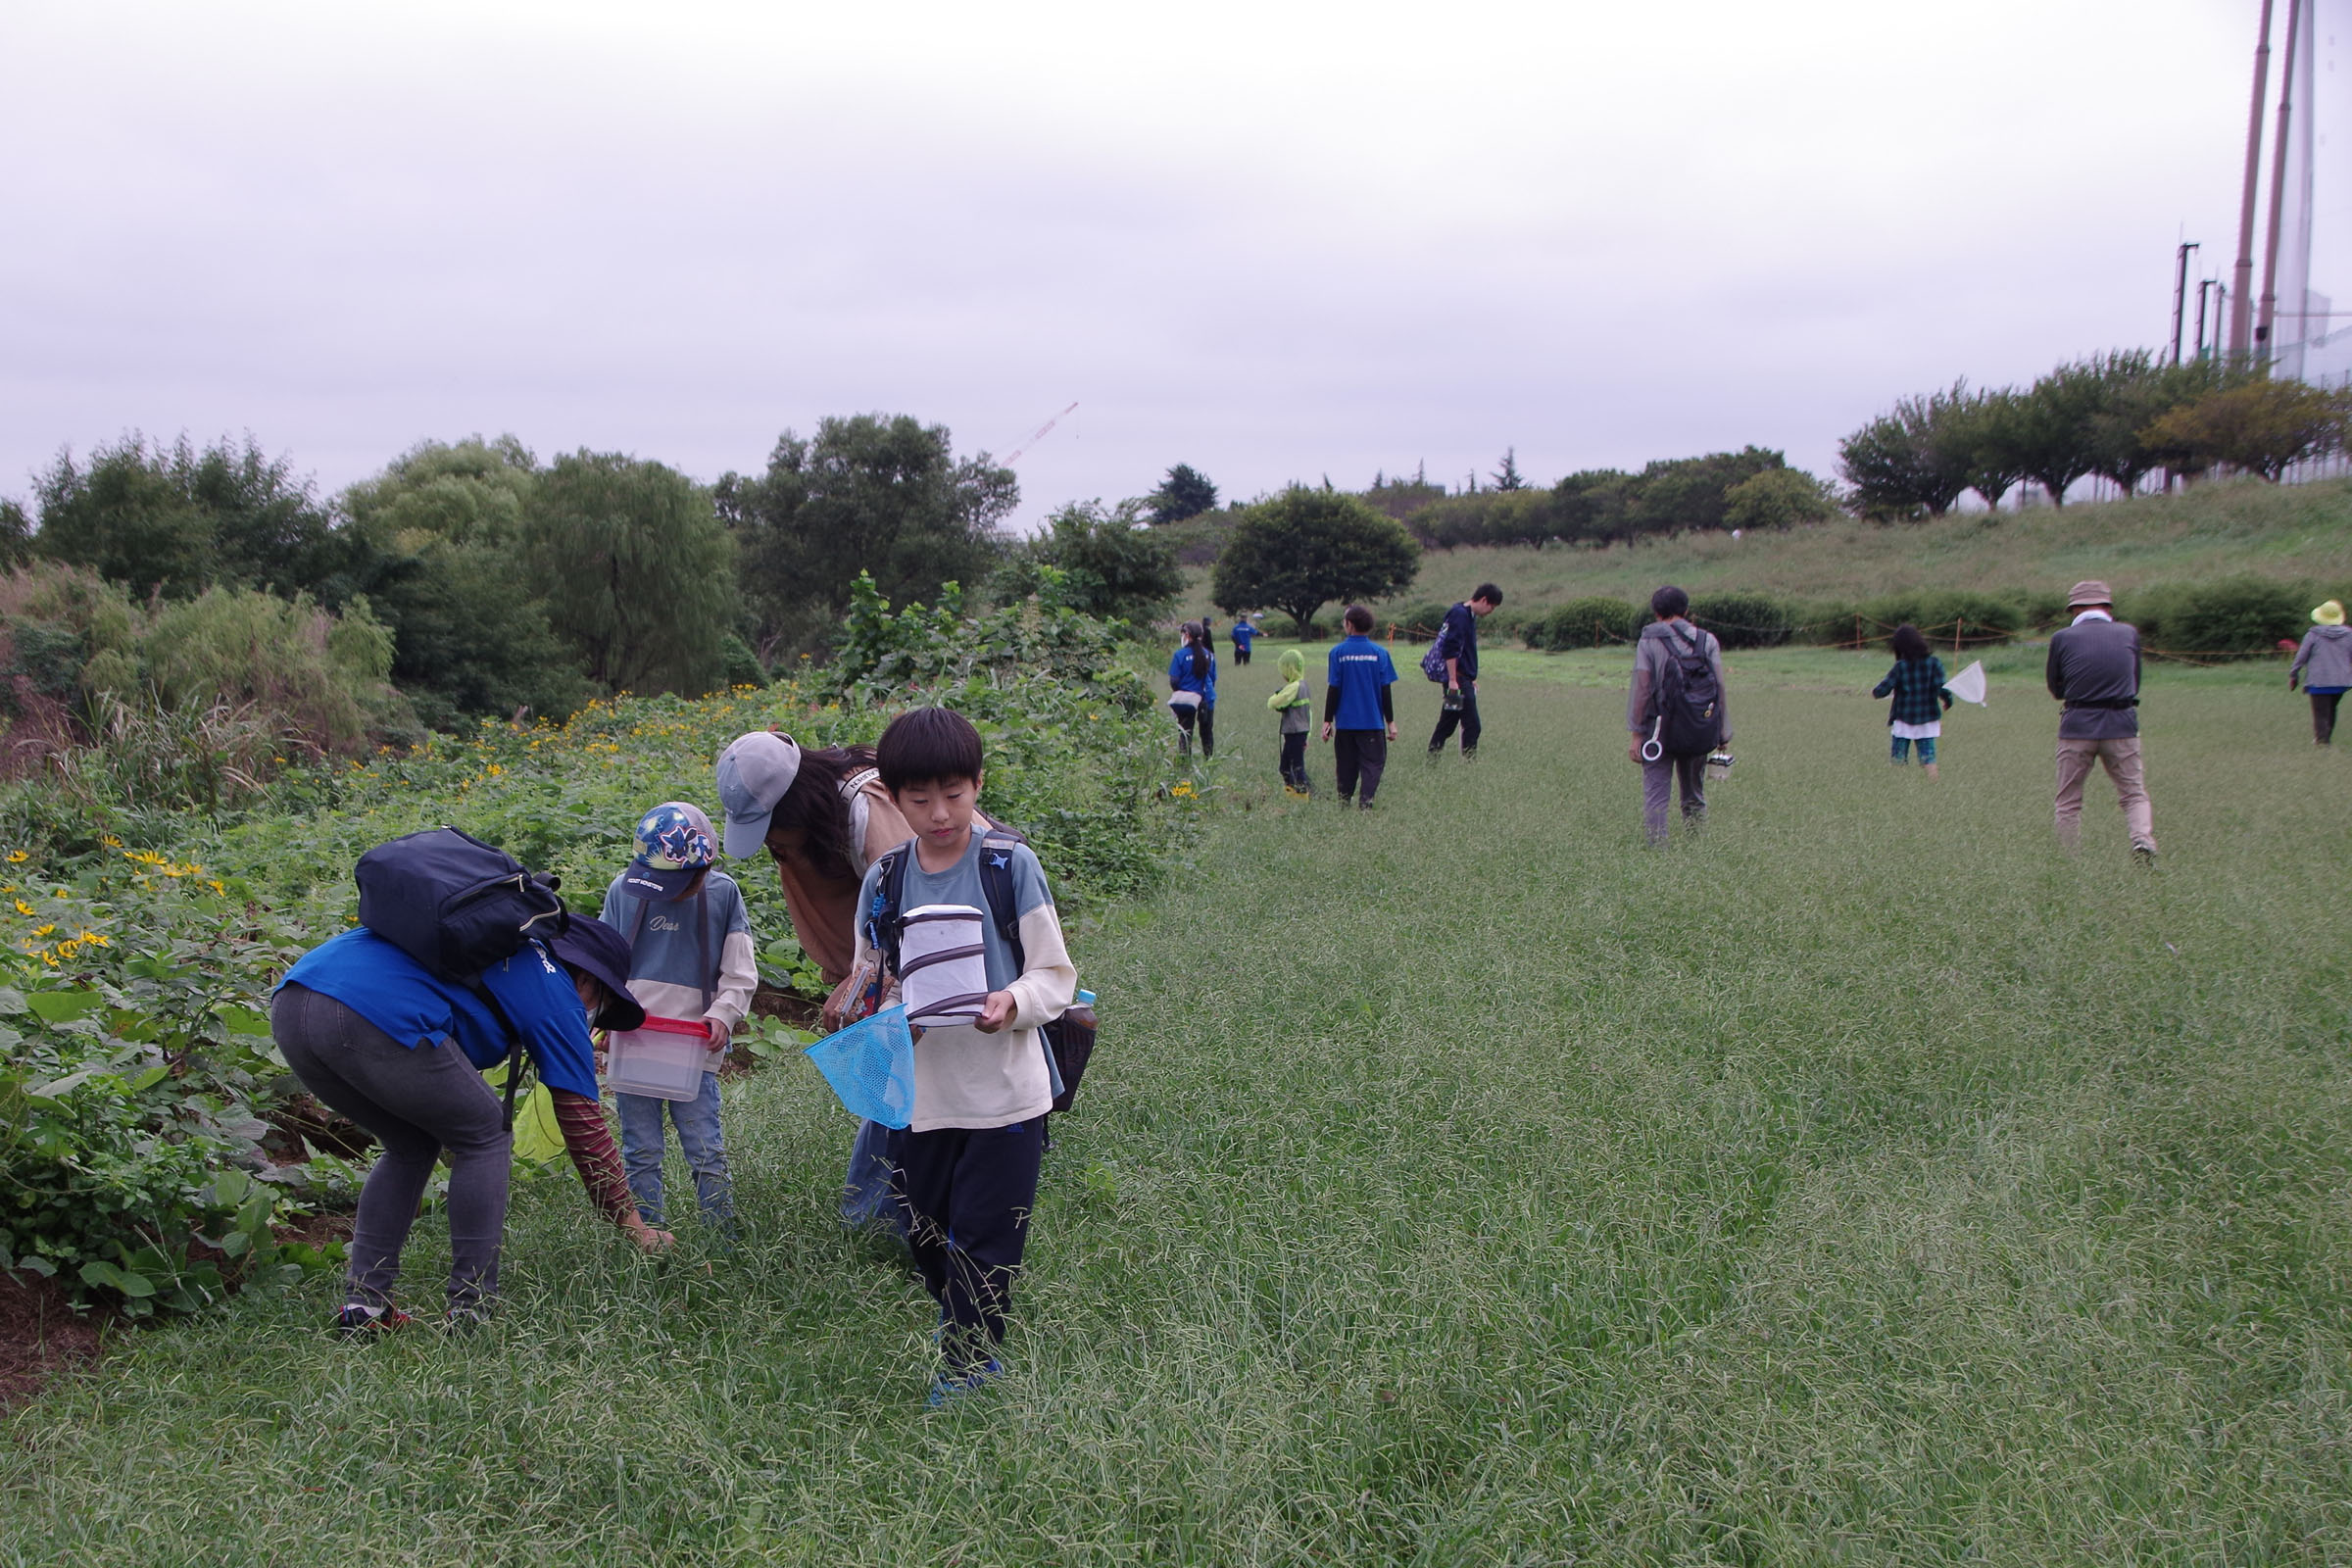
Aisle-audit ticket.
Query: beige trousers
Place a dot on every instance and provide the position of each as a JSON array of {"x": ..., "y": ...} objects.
[{"x": 2121, "y": 757}]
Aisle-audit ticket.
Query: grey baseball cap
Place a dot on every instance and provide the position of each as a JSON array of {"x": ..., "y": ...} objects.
[{"x": 754, "y": 773}]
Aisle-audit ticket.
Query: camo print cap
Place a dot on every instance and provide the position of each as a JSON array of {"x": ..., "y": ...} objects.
[{"x": 674, "y": 845}]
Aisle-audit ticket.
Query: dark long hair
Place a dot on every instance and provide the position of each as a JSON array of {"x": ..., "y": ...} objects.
[
  {"x": 813, "y": 804},
  {"x": 1908, "y": 645},
  {"x": 1196, "y": 638}
]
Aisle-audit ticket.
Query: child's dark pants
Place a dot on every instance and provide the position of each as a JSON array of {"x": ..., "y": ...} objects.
[
  {"x": 1293, "y": 760},
  {"x": 966, "y": 1193},
  {"x": 1360, "y": 754}
]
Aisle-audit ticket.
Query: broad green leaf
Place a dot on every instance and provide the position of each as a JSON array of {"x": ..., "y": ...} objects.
[
  {"x": 56, "y": 1006},
  {"x": 65, "y": 1085},
  {"x": 98, "y": 1271},
  {"x": 11, "y": 1001},
  {"x": 245, "y": 1021}
]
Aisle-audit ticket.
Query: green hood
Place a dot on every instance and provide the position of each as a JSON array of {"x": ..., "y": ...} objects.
[{"x": 1292, "y": 665}]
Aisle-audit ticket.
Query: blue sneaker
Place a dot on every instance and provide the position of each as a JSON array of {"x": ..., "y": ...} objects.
[{"x": 949, "y": 1387}]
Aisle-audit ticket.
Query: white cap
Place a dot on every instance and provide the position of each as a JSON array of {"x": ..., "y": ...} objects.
[{"x": 753, "y": 774}]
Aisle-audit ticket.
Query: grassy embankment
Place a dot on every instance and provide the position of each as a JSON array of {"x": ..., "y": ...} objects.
[
  {"x": 2297, "y": 534},
  {"x": 1460, "y": 1183}
]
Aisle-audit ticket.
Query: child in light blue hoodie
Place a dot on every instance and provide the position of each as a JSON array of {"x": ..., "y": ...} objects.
[{"x": 690, "y": 958}]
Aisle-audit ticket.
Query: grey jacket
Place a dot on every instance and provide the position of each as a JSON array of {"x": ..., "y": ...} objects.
[
  {"x": 2094, "y": 670},
  {"x": 1650, "y": 653},
  {"x": 2324, "y": 659}
]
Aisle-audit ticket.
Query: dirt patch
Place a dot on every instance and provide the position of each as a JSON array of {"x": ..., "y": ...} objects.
[{"x": 41, "y": 1336}]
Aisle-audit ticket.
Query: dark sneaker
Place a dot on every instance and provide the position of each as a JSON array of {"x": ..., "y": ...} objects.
[
  {"x": 2143, "y": 855},
  {"x": 465, "y": 1319},
  {"x": 360, "y": 1321}
]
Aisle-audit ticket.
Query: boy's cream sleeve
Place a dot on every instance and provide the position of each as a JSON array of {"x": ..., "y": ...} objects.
[
  {"x": 738, "y": 978},
  {"x": 1043, "y": 991}
]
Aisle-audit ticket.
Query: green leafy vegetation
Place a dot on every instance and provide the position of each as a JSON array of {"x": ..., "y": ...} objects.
[{"x": 151, "y": 903}]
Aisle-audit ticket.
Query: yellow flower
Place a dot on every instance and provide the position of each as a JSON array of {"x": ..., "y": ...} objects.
[
  {"x": 94, "y": 939},
  {"x": 109, "y": 841},
  {"x": 23, "y": 908},
  {"x": 18, "y": 857},
  {"x": 215, "y": 885},
  {"x": 44, "y": 930}
]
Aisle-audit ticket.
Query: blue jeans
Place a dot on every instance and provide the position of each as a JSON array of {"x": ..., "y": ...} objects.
[
  {"x": 866, "y": 1197},
  {"x": 642, "y": 1147},
  {"x": 1902, "y": 749}
]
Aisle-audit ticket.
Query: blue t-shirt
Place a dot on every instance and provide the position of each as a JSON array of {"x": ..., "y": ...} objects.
[
  {"x": 1182, "y": 679},
  {"x": 1357, "y": 668},
  {"x": 1244, "y": 634},
  {"x": 417, "y": 1007}
]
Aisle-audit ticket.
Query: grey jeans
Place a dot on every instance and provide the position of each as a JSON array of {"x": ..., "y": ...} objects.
[
  {"x": 418, "y": 1102},
  {"x": 1657, "y": 791}
]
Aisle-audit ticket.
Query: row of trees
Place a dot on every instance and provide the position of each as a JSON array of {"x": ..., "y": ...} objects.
[
  {"x": 2121, "y": 417},
  {"x": 1751, "y": 488},
  {"x": 506, "y": 583}
]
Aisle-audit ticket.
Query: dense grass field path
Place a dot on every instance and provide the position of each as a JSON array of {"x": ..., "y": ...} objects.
[{"x": 1462, "y": 1183}]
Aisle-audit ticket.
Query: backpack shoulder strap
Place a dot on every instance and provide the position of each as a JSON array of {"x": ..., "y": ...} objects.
[
  {"x": 857, "y": 781},
  {"x": 996, "y": 880},
  {"x": 882, "y": 916},
  {"x": 517, "y": 1057}
]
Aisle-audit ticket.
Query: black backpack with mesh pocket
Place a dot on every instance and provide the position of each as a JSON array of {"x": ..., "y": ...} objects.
[{"x": 1690, "y": 698}]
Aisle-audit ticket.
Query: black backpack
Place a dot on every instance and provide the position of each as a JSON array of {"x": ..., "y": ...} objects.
[
  {"x": 1690, "y": 698},
  {"x": 457, "y": 906},
  {"x": 453, "y": 903},
  {"x": 1071, "y": 1042}
]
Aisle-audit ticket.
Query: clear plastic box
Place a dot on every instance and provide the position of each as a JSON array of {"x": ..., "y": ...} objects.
[{"x": 666, "y": 1060}]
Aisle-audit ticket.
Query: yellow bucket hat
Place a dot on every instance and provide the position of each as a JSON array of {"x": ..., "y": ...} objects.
[{"x": 2330, "y": 614}]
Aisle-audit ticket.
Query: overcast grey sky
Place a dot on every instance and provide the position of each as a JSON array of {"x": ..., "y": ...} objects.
[{"x": 1273, "y": 240}]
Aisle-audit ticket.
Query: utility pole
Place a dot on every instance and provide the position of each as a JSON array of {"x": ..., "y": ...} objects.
[
  {"x": 2205, "y": 287},
  {"x": 2241, "y": 277},
  {"x": 2180, "y": 299},
  {"x": 2266, "y": 312}
]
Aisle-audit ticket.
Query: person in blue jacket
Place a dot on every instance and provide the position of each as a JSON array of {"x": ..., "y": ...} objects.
[
  {"x": 381, "y": 1038},
  {"x": 1193, "y": 688},
  {"x": 1244, "y": 634},
  {"x": 1357, "y": 676}
]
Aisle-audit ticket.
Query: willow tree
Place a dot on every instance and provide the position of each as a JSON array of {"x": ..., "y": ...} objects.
[{"x": 635, "y": 569}]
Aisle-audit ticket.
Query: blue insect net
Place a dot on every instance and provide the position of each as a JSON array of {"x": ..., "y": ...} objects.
[{"x": 870, "y": 1065}]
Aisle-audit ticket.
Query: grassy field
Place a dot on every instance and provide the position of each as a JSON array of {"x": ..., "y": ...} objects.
[
  {"x": 2297, "y": 534},
  {"x": 1462, "y": 1183}
]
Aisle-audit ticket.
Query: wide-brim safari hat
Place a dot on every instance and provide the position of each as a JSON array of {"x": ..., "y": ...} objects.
[
  {"x": 2090, "y": 591},
  {"x": 595, "y": 949},
  {"x": 2330, "y": 614}
]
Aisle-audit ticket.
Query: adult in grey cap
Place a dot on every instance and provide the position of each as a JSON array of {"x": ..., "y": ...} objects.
[
  {"x": 2094, "y": 670},
  {"x": 823, "y": 817}
]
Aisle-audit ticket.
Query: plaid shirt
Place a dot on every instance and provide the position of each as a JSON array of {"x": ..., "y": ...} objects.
[{"x": 1917, "y": 684}]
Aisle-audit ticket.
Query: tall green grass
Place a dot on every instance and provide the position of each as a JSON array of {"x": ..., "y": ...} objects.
[{"x": 1462, "y": 1183}]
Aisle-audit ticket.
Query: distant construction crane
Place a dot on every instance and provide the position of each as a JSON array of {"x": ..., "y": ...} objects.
[{"x": 1037, "y": 435}]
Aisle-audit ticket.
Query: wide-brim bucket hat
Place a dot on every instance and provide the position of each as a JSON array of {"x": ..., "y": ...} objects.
[
  {"x": 2090, "y": 591},
  {"x": 2330, "y": 614},
  {"x": 595, "y": 949}
]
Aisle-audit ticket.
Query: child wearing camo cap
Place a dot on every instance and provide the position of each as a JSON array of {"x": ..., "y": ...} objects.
[{"x": 690, "y": 958}]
